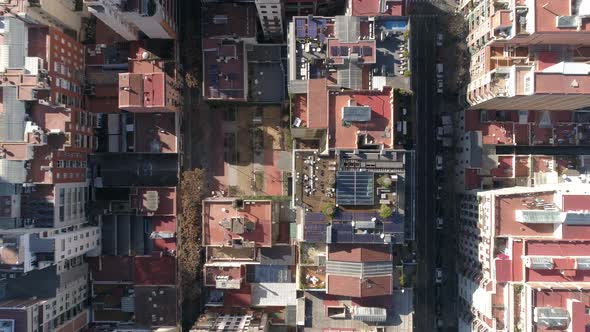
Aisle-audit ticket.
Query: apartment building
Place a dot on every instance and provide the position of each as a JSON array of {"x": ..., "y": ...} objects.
[
  {"x": 65, "y": 15},
  {"x": 154, "y": 19},
  {"x": 45, "y": 137},
  {"x": 527, "y": 270},
  {"x": 527, "y": 54}
]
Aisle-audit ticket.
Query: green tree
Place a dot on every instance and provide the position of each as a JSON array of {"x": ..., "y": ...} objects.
[{"x": 385, "y": 211}]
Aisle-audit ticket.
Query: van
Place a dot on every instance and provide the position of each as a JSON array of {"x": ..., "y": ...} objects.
[
  {"x": 439, "y": 70},
  {"x": 439, "y": 162}
]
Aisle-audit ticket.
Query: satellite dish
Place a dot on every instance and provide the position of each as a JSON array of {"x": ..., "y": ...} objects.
[
  {"x": 145, "y": 55},
  {"x": 352, "y": 223},
  {"x": 373, "y": 219}
]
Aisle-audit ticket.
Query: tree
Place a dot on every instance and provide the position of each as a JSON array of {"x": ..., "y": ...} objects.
[
  {"x": 384, "y": 181},
  {"x": 385, "y": 211},
  {"x": 328, "y": 209},
  {"x": 194, "y": 187}
]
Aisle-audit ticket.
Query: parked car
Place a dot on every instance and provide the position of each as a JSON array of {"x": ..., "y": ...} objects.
[
  {"x": 439, "y": 70},
  {"x": 438, "y": 275},
  {"x": 439, "y": 133},
  {"x": 439, "y": 86},
  {"x": 439, "y": 162},
  {"x": 439, "y": 223},
  {"x": 439, "y": 39}
]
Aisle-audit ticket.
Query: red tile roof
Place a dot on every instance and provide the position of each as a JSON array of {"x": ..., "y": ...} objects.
[
  {"x": 358, "y": 287},
  {"x": 111, "y": 268},
  {"x": 215, "y": 211},
  {"x": 150, "y": 270},
  {"x": 576, "y": 202},
  {"x": 554, "y": 248},
  {"x": 472, "y": 179},
  {"x": 373, "y": 8},
  {"x": 359, "y": 253},
  {"x": 317, "y": 103},
  {"x": 345, "y": 136},
  {"x": 503, "y": 270},
  {"x": 241, "y": 298},
  {"x": 142, "y": 92}
]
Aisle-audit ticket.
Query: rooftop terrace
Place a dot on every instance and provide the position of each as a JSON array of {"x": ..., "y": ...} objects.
[{"x": 224, "y": 223}]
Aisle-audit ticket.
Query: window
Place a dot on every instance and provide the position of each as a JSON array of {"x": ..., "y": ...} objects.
[
  {"x": 60, "y": 164},
  {"x": 62, "y": 198}
]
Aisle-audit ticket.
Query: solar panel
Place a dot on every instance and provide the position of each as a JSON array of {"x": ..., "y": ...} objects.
[
  {"x": 356, "y": 49},
  {"x": 312, "y": 29},
  {"x": 356, "y": 113},
  {"x": 334, "y": 50},
  {"x": 300, "y": 22},
  {"x": 577, "y": 219},
  {"x": 315, "y": 216},
  {"x": 315, "y": 227},
  {"x": 367, "y": 51},
  {"x": 355, "y": 188},
  {"x": 344, "y": 50}
]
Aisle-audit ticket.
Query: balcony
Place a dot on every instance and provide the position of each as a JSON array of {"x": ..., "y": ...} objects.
[{"x": 501, "y": 19}]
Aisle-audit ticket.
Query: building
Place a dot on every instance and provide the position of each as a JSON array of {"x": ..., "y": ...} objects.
[
  {"x": 525, "y": 250},
  {"x": 235, "y": 66},
  {"x": 525, "y": 147},
  {"x": 63, "y": 15},
  {"x": 523, "y": 55},
  {"x": 45, "y": 138},
  {"x": 154, "y": 19},
  {"x": 270, "y": 14}
]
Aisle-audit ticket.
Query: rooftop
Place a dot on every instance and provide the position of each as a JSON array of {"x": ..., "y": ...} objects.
[
  {"x": 223, "y": 223},
  {"x": 377, "y": 7},
  {"x": 142, "y": 92},
  {"x": 224, "y": 69},
  {"x": 352, "y": 134},
  {"x": 111, "y": 268},
  {"x": 230, "y": 20},
  {"x": 359, "y": 287},
  {"x": 159, "y": 201},
  {"x": 359, "y": 253},
  {"x": 156, "y": 306},
  {"x": 151, "y": 270},
  {"x": 155, "y": 133}
]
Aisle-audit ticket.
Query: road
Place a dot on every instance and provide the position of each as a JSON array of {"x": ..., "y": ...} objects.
[
  {"x": 423, "y": 85},
  {"x": 435, "y": 248}
]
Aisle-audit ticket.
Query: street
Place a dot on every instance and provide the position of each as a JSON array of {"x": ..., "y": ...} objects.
[{"x": 434, "y": 302}]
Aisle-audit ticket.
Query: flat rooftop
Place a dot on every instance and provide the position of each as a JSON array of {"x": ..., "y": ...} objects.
[
  {"x": 155, "y": 133},
  {"x": 224, "y": 69},
  {"x": 162, "y": 203},
  {"x": 359, "y": 253},
  {"x": 378, "y": 130},
  {"x": 359, "y": 287},
  {"x": 230, "y": 19},
  {"x": 217, "y": 213}
]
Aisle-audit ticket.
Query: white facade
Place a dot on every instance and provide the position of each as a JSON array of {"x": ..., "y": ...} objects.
[
  {"x": 70, "y": 244},
  {"x": 70, "y": 204},
  {"x": 109, "y": 12},
  {"x": 129, "y": 24},
  {"x": 270, "y": 13}
]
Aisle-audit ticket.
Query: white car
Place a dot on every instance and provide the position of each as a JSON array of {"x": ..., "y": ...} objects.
[
  {"x": 439, "y": 39},
  {"x": 439, "y": 86},
  {"x": 439, "y": 162},
  {"x": 438, "y": 275},
  {"x": 439, "y": 223}
]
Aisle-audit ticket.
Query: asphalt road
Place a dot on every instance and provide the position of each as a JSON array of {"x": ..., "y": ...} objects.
[
  {"x": 435, "y": 248},
  {"x": 428, "y": 103}
]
